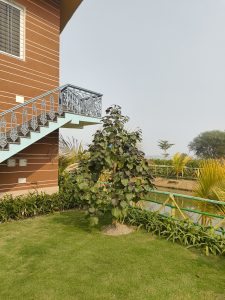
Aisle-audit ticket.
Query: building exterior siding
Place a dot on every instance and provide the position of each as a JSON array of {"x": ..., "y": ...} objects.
[
  {"x": 41, "y": 170},
  {"x": 36, "y": 74}
]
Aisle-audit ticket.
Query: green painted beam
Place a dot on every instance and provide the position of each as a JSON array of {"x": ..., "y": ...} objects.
[
  {"x": 188, "y": 197},
  {"x": 187, "y": 209}
]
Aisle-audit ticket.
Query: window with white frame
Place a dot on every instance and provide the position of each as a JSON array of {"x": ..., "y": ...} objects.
[{"x": 11, "y": 28}]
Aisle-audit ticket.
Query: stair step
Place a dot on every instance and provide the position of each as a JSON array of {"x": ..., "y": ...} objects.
[
  {"x": 28, "y": 136},
  {"x": 15, "y": 143},
  {"x": 5, "y": 149},
  {"x": 37, "y": 130}
]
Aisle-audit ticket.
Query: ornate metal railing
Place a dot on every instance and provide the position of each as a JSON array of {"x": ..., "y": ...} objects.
[{"x": 28, "y": 116}]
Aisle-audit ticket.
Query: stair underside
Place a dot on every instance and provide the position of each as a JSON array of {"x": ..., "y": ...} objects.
[{"x": 68, "y": 121}]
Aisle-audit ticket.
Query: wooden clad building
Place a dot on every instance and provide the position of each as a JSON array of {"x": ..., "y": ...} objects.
[{"x": 29, "y": 66}]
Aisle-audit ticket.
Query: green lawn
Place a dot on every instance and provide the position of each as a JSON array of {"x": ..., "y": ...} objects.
[{"x": 60, "y": 257}]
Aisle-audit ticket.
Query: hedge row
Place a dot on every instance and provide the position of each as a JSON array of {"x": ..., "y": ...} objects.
[
  {"x": 194, "y": 163},
  {"x": 183, "y": 232},
  {"x": 21, "y": 207}
]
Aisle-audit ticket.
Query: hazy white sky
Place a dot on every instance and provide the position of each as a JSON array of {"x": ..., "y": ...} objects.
[{"x": 163, "y": 61}]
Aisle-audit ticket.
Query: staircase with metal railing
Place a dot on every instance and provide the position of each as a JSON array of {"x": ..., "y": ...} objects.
[{"x": 67, "y": 106}]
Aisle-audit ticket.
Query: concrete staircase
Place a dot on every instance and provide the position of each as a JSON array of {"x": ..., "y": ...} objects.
[{"x": 67, "y": 106}]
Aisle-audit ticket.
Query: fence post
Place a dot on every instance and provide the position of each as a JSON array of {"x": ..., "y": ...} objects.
[{"x": 173, "y": 212}]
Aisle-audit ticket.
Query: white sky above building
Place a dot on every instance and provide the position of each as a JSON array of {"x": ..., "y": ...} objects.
[{"x": 163, "y": 61}]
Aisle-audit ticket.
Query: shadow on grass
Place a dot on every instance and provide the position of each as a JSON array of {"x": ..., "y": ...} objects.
[{"x": 78, "y": 219}]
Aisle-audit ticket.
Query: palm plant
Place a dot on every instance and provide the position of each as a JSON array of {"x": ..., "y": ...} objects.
[
  {"x": 164, "y": 145},
  {"x": 70, "y": 152},
  {"x": 179, "y": 161},
  {"x": 211, "y": 180},
  {"x": 211, "y": 185}
]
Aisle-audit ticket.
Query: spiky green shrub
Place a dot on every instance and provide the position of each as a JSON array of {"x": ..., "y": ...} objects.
[
  {"x": 70, "y": 152},
  {"x": 179, "y": 161},
  {"x": 183, "y": 232},
  {"x": 193, "y": 163},
  {"x": 166, "y": 168},
  {"x": 21, "y": 207},
  {"x": 211, "y": 181}
]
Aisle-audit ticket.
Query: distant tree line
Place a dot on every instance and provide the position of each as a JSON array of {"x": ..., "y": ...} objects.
[{"x": 207, "y": 145}]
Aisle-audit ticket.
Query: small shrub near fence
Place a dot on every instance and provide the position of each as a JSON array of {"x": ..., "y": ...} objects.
[
  {"x": 21, "y": 207},
  {"x": 168, "y": 171},
  {"x": 184, "y": 232},
  {"x": 194, "y": 163},
  {"x": 35, "y": 204},
  {"x": 164, "y": 168}
]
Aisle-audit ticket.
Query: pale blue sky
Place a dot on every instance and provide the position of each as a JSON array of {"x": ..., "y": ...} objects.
[{"x": 163, "y": 61}]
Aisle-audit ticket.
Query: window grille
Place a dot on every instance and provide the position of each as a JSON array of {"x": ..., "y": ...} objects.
[{"x": 11, "y": 29}]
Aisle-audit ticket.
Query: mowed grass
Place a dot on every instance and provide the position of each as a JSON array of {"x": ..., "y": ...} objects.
[{"x": 60, "y": 257}]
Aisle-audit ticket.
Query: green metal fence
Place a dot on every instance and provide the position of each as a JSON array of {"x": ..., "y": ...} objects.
[
  {"x": 202, "y": 211},
  {"x": 168, "y": 172}
]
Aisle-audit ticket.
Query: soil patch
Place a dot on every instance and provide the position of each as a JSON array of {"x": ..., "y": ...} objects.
[
  {"x": 181, "y": 184},
  {"x": 117, "y": 229}
]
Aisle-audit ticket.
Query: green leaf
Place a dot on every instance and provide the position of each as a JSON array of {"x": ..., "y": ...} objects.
[
  {"x": 130, "y": 166},
  {"x": 83, "y": 185},
  {"x": 116, "y": 213},
  {"x": 94, "y": 221},
  {"x": 124, "y": 182},
  {"x": 123, "y": 204},
  {"x": 139, "y": 169},
  {"x": 91, "y": 210},
  {"x": 129, "y": 196}
]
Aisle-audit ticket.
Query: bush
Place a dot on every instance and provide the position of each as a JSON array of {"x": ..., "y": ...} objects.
[
  {"x": 165, "y": 168},
  {"x": 181, "y": 231},
  {"x": 21, "y": 207},
  {"x": 159, "y": 161},
  {"x": 113, "y": 154},
  {"x": 194, "y": 163}
]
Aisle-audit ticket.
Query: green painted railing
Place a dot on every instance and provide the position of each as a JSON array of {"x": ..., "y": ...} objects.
[
  {"x": 188, "y": 197},
  {"x": 167, "y": 171},
  {"x": 206, "y": 211},
  {"x": 180, "y": 205}
]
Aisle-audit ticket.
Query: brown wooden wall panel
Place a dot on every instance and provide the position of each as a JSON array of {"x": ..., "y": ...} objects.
[
  {"x": 39, "y": 71},
  {"x": 31, "y": 176},
  {"x": 8, "y": 70},
  {"x": 33, "y": 76},
  {"x": 34, "y": 65},
  {"x": 51, "y": 4},
  {"x": 49, "y": 164},
  {"x": 7, "y": 102},
  {"x": 25, "y": 188},
  {"x": 41, "y": 54},
  {"x": 41, "y": 22},
  {"x": 45, "y": 39},
  {"x": 40, "y": 9},
  {"x": 23, "y": 67},
  {"x": 42, "y": 168},
  {"x": 25, "y": 81},
  {"x": 47, "y": 12}
]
